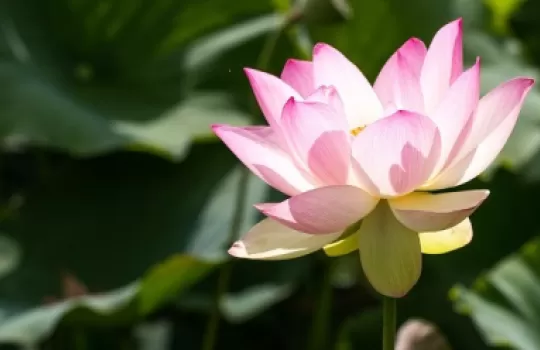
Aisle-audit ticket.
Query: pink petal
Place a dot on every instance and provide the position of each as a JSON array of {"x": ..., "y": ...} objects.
[
  {"x": 318, "y": 135},
  {"x": 501, "y": 103},
  {"x": 398, "y": 153},
  {"x": 426, "y": 212},
  {"x": 322, "y": 210},
  {"x": 271, "y": 94},
  {"x": 330, "y": 67},
  {"x": 329, "y": 95},
  {"x": 270, "y": 240},
  {"x": 299, "y": 75},
  {"x": 256, "y": 147},
  {"x": 398, "y": 84},
  {"x": 443, "y": 63},
  {"x": 493, "y": 123},
  {"x": 454, "y": 113}
]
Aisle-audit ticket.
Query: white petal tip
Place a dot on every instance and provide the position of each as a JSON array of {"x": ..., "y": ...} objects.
[{"x": 238, "y": 250}]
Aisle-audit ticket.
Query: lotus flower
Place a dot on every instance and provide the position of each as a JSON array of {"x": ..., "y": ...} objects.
[{"x": 358, "y": 161}]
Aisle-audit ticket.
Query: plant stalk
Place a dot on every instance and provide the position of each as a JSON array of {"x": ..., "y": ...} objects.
[
  {"x": 389, "y": 323},
  {"x": 212, "y": 327}
]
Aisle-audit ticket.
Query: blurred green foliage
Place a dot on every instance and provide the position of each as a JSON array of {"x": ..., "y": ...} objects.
[{"x": 117, "y": 203}]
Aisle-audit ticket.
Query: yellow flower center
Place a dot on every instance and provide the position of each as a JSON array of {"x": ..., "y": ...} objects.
[{"x": 357, "y": 130}]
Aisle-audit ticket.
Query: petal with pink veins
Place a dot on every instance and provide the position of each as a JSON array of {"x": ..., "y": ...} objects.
[
  {"x": 440, "y": 242},
  {"x": 493, "y": 122},
  {"x": 257, "y": 148},
  {"x": 330, "y": 67},
  {"x": 270, "y": 240},
  {"x": 271, "y": 93},
  {"x": 426, "y": 212},
  {"x": 398, "y": 84},
  {"x": 322, "y": 210},
  {"x": 501, "y": 103},
  {"x": 318, "y": 136},
  {"x": 443, "y": 64},
  {"x": 299, "y": 75},
  {"x": 398, "y": 153},
  {"x": 454, "y": 113}
]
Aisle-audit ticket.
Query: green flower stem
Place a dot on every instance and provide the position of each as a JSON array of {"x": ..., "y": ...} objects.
[
  {"x": 389, "y": 323},
  {"x": 212, "y": 327},
  {"x": 323, "y": 308}
]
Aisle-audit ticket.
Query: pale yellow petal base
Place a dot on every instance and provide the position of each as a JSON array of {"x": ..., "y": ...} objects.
[
  {"x": 440, "y": 242},
  {"x": 347, "y": 244}
]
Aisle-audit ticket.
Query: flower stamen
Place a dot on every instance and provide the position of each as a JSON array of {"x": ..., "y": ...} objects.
[{"x": 357, "y": 130}]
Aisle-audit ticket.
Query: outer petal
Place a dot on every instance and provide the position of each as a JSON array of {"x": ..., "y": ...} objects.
[
  {"x": 399, "y": 152},
  {"x": 270, "y": 240},
  {"x": 443, "y": 63},
  {"x": 257, "y": 149},
  {"x": 390, "y": 253},
  {"x": 271, "y": 94},
  {"x": 330, "y": 67},
  {"x": 319, "y": 137},
  {"x": 440, "y": 242},
  {"x": 299, "y": 75},
  {"x": 343, "y": 246},
  {"x": 452, "y": 116},
  {"x": 493, "y": 123},
  {"x": 322, "y": 210},
  {"x": 347, "y": 244},
  {"x": 424, "y": 212},
  {"x": 398, "y": 84}
]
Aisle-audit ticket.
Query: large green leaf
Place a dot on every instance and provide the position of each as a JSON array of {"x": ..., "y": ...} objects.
[
  {"x": 504, "y": 303},
  {"x": 38, "y": 113},
  {"x": 117, "y": 79},
  {"x": 118, "y": 307},
  {"x": 109, "y": 219},
  {"x": 249, "y": 294}
]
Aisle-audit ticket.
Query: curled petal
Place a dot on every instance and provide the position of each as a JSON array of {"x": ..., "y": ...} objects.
[
  {"x": 257, "y": 148},
  {"x": 398, "y": 84},
  {"x": 271, "y": 94},
  {"x": 443, "y": 63},
  {"x": 331, "y": 68},
  {"x": 318, "y": 136},
  {"x": 299, "y": 75},
  {"x": 398, "y": 153},
  {"x": 423, "y": 212},
  {"x": 270, "y": 240},
  {"x": 389, "y": 252},
  {"x": 440, "y": 242},
  {"x": 322, "y": 210}
]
